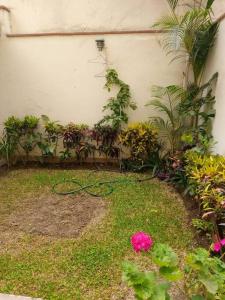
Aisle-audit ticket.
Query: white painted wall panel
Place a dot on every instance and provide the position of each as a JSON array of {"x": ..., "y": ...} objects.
[{"x": 57, "y": 75}]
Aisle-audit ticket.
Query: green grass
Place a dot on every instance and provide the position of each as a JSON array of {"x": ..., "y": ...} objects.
[{"x": 88, "y": 267}]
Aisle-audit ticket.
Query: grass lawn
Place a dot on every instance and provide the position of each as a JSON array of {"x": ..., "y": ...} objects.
[{"x": 87, "y": 267}]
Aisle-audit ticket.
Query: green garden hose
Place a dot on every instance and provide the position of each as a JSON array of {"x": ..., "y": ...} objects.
[{"x": 79, "y": 187}]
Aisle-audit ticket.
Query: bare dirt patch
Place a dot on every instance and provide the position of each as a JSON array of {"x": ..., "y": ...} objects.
[{"x": 55, "y": 216}]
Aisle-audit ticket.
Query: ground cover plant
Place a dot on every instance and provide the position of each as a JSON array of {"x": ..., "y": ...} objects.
[{"x": 87, "y": 266}]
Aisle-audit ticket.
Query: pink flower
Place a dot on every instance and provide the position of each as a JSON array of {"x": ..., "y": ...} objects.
[
  {"x": 141, "y": 242},
  {"x": 222, "y": 242},
  {"x": 217, "y": 247}
]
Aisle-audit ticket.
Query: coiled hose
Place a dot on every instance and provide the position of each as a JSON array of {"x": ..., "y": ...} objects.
[{"x": 108, "y": 185}]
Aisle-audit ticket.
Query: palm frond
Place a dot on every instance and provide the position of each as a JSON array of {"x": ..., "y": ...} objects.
[
  {"x": 166, "y": 100},
  {"x": 174, "y": 92},
  {"x": 180, "y": 31},
  {"x": 204, "y": 41},
  {"x": 209, "y": 4},
  {"x": 166, "y": 22},
  {"x": 173, "y": 3}
]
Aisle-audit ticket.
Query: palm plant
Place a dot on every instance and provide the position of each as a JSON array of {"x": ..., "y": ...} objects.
[
  {"x": 190, "y": 36},
  {"x": 170, "y": 124}
]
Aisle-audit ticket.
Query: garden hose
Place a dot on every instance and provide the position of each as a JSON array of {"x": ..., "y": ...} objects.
[{"x": 108, "y": 184}]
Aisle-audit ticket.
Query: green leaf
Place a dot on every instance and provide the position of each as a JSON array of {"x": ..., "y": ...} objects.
[
  {"x": 143, "y": 283},
  {"x": 164, "y": 256},
  {"x": 161, "y": 292},
  {"x": 171, "y": 274},
  {"x": 210, "y": 284}
]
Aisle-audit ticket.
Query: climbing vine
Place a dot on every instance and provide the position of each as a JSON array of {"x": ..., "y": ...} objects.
[{"x": 117, "y": 106}]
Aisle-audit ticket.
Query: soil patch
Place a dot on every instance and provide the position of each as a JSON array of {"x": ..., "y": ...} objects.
[{"x": 55, "y": 216}]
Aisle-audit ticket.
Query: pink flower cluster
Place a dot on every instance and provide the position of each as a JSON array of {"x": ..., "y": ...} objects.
[
  {"x": 141, "y": 242},
  {"x": 217, "y": 247}
]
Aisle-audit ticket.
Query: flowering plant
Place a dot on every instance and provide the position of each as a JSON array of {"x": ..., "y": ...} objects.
[
  {"x": 204, "y": 274},
  {"x": 141, "y": 242},
  {"x": 152, "y": 285},
  {"x": 217, "y": 247}
]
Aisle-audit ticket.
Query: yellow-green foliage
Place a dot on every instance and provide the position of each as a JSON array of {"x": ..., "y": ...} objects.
[
  {"x": 141, "y": 139},
  {"x": 206, "y": 174}
]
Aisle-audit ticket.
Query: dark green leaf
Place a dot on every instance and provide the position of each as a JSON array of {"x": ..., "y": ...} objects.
[{"x": 209, "y": 4}]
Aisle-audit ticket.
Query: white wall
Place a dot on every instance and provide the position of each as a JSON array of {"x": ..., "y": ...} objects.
[
  {"x": 68, "y": 15},
  {"x": 57, "y": 75},
  {"x": 217, "y": 64}
]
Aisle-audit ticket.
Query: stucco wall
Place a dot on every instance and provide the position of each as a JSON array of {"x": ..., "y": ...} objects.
[
  {"x": 67, "y": 15},
  {"x": 63, "y": 77},
  {"x": 217, "y": 64}
]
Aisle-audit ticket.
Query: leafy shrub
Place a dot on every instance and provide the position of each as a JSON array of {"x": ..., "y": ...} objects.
[
  {"x": 106, "y": 138},
  {"x": 28, "y": 137},
  {"x": 29, "y": 123},
  {"x": 206, "y": 179},
  {"x": 52, "y": 128},
  {"x": 141, "y": 139},
  {"x": 206, "y": 182},
  {"x": 49, "y": 141},
  {"x": 13, "y": 126},
  {"x": 21, "y": 132},
  {"x": 205, "y": 275},
  {"x": 75, "y": 138},
  {"x": 203, "y": 225},
  {"x": 8, "y": 147}
]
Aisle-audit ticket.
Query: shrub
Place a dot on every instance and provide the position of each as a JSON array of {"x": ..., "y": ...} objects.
[
  {"x": 205, "y": 275},
  {"x": 106, "y": 138},
  {"x": 13, "y": 126},
  {"x": 28, "y": 137},
  {"x": 21, "y": 132},
  {"x": 8, "y": 147},
  {"x": 49, "y": 141},
  {"x": 141, "y": 139},
  {"x": 206, "y": 178},
  {"x": 75, "y": 138},
  {"x": 29, "y": 123},
  {"x": 73, "y": 134}
]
